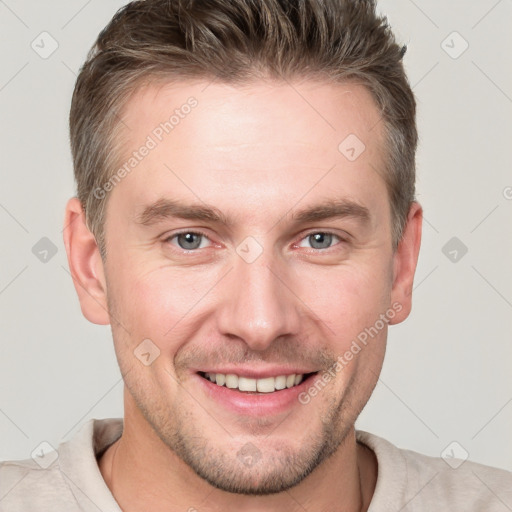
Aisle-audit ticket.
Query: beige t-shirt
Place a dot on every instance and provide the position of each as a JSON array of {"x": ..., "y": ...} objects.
[{"x": 69, "y": 480}]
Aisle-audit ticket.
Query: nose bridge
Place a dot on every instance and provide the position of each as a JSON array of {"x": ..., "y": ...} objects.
[{"x": 257, "y": 307}]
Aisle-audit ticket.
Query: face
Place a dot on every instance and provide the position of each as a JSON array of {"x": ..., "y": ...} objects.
[{"x": 250, "y": 245}]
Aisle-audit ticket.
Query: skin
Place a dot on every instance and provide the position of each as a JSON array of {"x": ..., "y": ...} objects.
[{"x": 258, "y": 153}]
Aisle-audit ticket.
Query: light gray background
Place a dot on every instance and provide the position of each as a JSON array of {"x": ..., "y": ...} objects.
[{"x": 447, "y": 374}]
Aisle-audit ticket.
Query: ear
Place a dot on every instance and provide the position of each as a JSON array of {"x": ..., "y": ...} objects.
[
  {"x": 85, "y": 264},
  {"x": 404, "y": 263}
]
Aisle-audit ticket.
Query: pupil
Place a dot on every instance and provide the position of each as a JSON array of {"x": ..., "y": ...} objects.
[
  {"x": 189, "y": 240},
  {"x": 320, "y": 240}
]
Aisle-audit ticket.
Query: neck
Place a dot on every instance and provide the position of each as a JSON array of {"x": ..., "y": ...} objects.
[{"x": 144, "y": 474}]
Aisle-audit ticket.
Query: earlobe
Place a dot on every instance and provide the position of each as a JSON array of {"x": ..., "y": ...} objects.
[
  {"x": 85, "y": 264},
  {"x": 405, "y": 260}
]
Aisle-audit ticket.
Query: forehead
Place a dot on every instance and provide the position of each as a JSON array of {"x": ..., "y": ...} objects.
[
  {"x": 318, "y": 112},
  {"x": 264, "y": 141}
]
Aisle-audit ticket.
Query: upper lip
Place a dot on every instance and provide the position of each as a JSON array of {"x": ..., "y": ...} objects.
[{"x": 253, "y": 372}]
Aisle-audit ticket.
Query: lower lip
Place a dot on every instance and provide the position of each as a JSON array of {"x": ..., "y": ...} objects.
[{"x": 256, "y": 404}]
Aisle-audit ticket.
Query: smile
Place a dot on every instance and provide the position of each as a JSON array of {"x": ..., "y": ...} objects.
[{"x": 250, "y": 385}]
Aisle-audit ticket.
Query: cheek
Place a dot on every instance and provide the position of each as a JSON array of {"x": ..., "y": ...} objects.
[
  {"x": 156, "y": 304},
  {"x": 347, "y": 299}
]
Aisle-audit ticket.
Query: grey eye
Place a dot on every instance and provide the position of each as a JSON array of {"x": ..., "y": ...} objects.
[
  {"x": 189, "y": 241},
  {"x": 320, "y": 240}
]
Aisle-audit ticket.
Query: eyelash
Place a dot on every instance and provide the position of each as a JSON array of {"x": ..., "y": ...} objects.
[{"x": 201, "y": 233}]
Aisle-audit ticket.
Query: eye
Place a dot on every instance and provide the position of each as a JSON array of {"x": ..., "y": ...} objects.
[
  {"x": 319, "y": 240},
  {"x": 189, "y": 240}
]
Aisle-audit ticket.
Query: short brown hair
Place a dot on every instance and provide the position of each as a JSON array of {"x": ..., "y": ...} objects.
[{"x": 236, "y": 41}]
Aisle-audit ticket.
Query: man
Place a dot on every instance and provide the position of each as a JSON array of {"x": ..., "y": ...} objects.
[{"x": 245, "y": 221}]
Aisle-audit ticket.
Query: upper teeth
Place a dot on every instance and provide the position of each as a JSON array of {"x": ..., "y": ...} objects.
[{"x": 266, "y": 385}]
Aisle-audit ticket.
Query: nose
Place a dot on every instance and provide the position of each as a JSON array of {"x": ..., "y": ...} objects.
[{"x": 258, "y": 305}]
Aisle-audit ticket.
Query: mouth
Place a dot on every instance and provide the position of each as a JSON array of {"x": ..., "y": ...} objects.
[{"x": 266, "y": 385}]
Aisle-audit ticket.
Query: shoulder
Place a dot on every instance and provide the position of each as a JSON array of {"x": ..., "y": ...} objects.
[
  {"x": 66, "y": 479},
  {"x": 420, "y": 482},
  {"x": 24, "y": 484}
]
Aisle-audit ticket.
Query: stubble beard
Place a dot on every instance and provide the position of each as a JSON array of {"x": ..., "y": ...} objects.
[{"x": 274, "y": 468}]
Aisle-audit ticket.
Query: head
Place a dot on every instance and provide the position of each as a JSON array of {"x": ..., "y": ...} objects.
[{"x": 245, "y": 175}]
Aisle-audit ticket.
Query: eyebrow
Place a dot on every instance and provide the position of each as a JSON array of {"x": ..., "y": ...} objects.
[
  {"x": 166, "y": 208},
  {"x": 334, "y": 209},
  {"x": 163, "y": 209}
]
